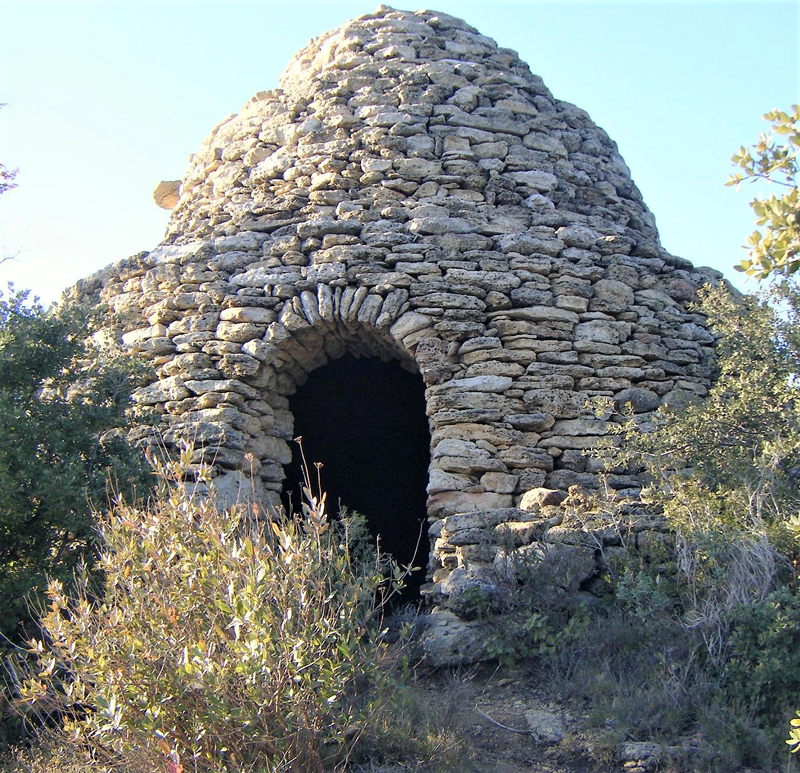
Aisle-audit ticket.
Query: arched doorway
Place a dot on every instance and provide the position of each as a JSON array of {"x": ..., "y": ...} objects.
[{"x": 365, "y": 421}]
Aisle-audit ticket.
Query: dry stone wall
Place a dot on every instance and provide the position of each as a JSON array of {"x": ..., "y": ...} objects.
[{"x": 413, "y": 192}]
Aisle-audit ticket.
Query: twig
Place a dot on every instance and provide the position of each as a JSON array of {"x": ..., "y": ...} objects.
[{"x": 506, "y": 727}]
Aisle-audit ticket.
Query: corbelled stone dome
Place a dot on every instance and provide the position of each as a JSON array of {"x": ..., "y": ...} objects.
[
  {"x": 413, "y": 193},
  {"x": 417, "y": 108}
]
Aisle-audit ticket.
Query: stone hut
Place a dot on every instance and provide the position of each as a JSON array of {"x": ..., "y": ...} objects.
[{"x": 413, "y": 219}]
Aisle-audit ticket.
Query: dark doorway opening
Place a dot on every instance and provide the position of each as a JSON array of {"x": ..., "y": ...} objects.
[{"x": 364, "y": 420}]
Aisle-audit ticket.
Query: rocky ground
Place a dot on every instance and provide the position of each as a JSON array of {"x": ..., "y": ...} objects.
[{"x": 511, "y": 723}]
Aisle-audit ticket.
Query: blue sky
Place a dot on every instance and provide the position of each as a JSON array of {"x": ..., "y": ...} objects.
[{"x": 105, "y": 98}]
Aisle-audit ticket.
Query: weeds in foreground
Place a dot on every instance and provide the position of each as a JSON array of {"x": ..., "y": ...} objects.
[
  {"x": 692, "y": 643},
  {"x": 224, "y": 643}
]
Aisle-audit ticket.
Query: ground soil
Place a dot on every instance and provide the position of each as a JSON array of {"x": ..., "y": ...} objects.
[{"x": 487, "y": 706}]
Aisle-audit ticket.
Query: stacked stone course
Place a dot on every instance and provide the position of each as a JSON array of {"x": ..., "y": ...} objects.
[{"x": 413, "y": 192}]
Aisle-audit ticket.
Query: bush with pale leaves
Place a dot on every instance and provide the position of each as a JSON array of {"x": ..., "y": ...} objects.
[{"x": 222, "y": 643}]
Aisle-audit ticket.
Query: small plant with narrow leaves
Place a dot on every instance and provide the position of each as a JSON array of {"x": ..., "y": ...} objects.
[
  {"x": 528, "y": 615},
  {"x": 222, "y": 643}
]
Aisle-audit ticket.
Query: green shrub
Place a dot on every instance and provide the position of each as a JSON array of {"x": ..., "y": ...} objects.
[
  {"x": 731, "y": 460},
  {"x": 764, "y": 663},
  {"x": 725, "y": 474},
  {"x": 528, "y": 615},
  {"x": 61, "y": 399},
  {"x": 221, "y": 643}
]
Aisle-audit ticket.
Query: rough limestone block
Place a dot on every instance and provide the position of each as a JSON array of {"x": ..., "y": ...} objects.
[
  {"x": 499, "y": 482},
  {"x": 611, "y": 296},
  {"x": 487, "y": 383},
  {"x": 450, "y": 641},
  {"x": 250, "y": 314},
  {"x": 171, "y": 388},
  {"x": 547, "y": 726},
  {"x": 638, "y": 399},
  {"x": 167, "y": 193},
  {"x": 136, "y": 338},
  {"x": 537, "y": 498},
  {"x": 452, "y": 502},
  {"x": 239, "y": 332}
]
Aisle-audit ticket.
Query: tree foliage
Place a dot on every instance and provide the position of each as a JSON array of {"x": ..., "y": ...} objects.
[
  {"x": 775, "y": 246},
  {"x": 725, "y": 471},
  {"x": 7, "y": 176},
  {"x": 61, "y": 400},
  {"x": 738, "y": 449}
]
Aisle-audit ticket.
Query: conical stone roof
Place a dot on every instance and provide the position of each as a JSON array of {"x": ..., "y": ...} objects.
[
  {"x": 413, "y": 192},
  {"x": 372, "y": 110}
]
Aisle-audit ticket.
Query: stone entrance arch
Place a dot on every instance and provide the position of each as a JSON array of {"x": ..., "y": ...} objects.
[
  {"x": 321, "y": 331},
  {"x": 363, "y": 420}
]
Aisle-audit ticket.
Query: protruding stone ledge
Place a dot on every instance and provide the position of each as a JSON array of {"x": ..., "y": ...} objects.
[{"x": 167, "y": 194}]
